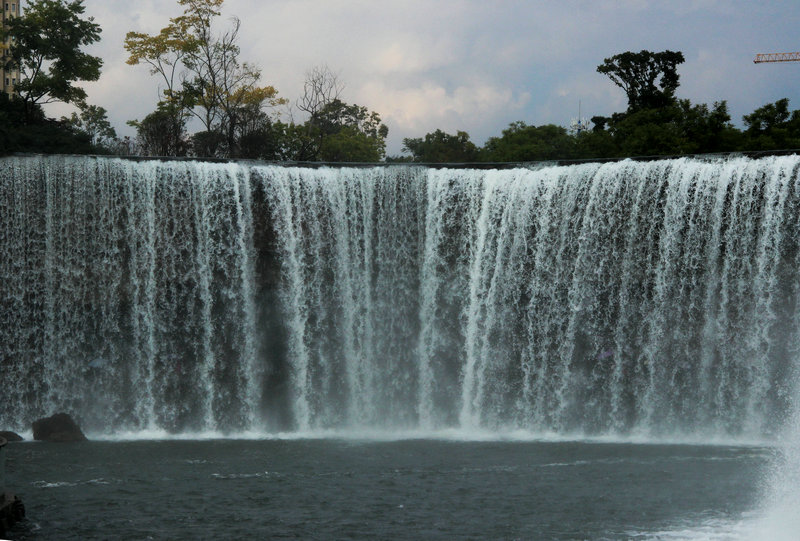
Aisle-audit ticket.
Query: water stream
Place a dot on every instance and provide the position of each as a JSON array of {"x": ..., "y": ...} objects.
[{"x": 653, "y": 299}]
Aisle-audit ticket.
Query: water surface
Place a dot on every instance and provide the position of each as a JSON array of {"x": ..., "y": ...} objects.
[{"x": 358, "y": 489}]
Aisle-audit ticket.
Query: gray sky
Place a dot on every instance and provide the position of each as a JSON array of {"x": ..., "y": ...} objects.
[{"x": 474, "y": 65}]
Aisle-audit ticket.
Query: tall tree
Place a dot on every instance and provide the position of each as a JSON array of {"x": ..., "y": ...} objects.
[
  {"x": 321, "y": 88},
  {"x": 236, "y": 92},
  {"x": 46, "y": 43},
  {"x": 768, "y": 117},
  {"x": 164, "y": 54},
  {"x": 333, "y": 131},
  {"x": 202, "y": 73},
  {"x": 648, "y": 79}
]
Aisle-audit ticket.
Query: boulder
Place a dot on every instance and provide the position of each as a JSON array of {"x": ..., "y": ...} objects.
[
  {"x": 10, "y": 436},
  {"x": 58, "y": 428}
]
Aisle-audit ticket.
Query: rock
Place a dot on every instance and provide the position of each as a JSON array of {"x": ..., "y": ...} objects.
[
  {"x": 58, "y": 428},
  {"x": 10, "y": 436},
  {"x": 11, "y": 511}
]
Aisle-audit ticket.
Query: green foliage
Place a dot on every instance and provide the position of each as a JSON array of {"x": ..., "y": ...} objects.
[
  {"x": 595, "y": 144},
  {"x": 351, "y": 145},
  {"x": 648, "y": 79},
  {"x": 398, "y": 159},
  {"x": 341, "y": 132},
  {"x": 674, "y": 129},
  {"x": 767, "y": 118},
  {"x": 46, "y": 47},
  {"x": 203, "y": 76},
  {"x": 648, "y": 132},
  {"x": 259, "y": 144},
  {"x": 441, "y": 147},
  {"x": 38, "y": 134},
  {"x": 772, "y": 127},
  {"x": 521, "y": 143},
  {"x": 93, "y": 121},
  {"x": 162, "y": 132},
  {"x": 707, "y": 129},
  {"x": 270, "y": 140},
  {"x": 208, "y": 144}
]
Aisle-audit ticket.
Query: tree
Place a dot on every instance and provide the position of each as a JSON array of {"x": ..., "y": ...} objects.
[
  {"x": 46, "y": 44},
  {"x": 772, "y": 127},
  {"x": 267, "y": 142},
  {"x": 203, "y": 75},
  {"x": 242, "y": 103},
  {"x": 350, "y": 133},
  {"x": 679, "y": 128},
  {"x": 161, "y": 133},
  {"x": 649, "y": 132},
  {"x": 164, "y": 54},
  {"x": 708, "y": 129},
  {"x": 768, "y": 117},
  {"x": 32, "y": 131},
  {"x": 320, "y": 89},
  {"x": 208, "y": 144},
  {"x": 520, "y": 143},
  {"x": 648, "y": 79},
  {"x": 258, "y": 135},
  {"x": 595, "y": 143},
  {"x": 441, "y": 147},
  {"x": 93, "y": 121}
]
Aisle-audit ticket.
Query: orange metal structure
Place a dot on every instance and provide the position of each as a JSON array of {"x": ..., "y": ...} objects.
[{"x": 777, "y": 57}]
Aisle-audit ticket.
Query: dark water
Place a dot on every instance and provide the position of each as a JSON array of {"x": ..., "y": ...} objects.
[{"x": 412, "y": 489}]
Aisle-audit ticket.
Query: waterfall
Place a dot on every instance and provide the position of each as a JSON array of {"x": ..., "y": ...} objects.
[{"x": 647, "y": 298}]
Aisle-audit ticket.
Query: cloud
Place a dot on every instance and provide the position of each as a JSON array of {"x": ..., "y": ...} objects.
[
  {"x": 409, "y": 54},
  {"x": 414, "y": 111},
  {"x": 430, "y": 102}
]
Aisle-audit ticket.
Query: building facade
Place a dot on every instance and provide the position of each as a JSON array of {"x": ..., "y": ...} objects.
[{"x": 9, "y": 78}]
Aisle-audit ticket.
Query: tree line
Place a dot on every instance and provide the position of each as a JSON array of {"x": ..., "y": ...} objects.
[
  {"x": 203, "y": 77},
  {"x": 656, "y": 122},
  {"x": 202, "y": 81},
  {"x": 205, "y": 85}
]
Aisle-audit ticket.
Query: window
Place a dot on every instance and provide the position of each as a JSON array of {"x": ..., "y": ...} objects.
[
  {"x": 7, "y": 83},
  {"x": 13, "y": 7},
  {"x": 6, "y": 6}
]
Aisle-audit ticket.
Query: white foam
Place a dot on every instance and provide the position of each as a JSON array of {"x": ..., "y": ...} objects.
[
  {"x": 60, "y": 484},
  {"x": 448, "y": 434},
  {"x": 781, "y": 519},
  {"x": 55, "y": 484},
  {"x": 770, "y": 527}
]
